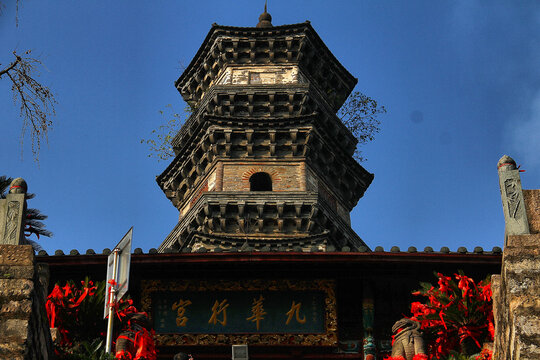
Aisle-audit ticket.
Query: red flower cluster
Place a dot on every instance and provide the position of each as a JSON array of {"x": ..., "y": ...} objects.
[
  {"x": 457, "y": 315},
  {"x": 63, "y": 303},
  {"x": 76, "y": 312}
]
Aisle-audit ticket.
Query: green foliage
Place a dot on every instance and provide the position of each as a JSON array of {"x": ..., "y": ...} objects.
[
  {"x": 160, "y": 140},
  {"x": 4, "y": 185},
  {"x": 34, "y": 222},
  {"x": 454, "y": 355},
  {"x": 359, "y": 114}
]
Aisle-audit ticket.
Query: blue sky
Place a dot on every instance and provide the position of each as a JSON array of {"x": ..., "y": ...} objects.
[{"x": 460, "y": 80}]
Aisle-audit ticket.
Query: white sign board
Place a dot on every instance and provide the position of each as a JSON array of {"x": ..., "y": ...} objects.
[{"x": 120, "y": 274}]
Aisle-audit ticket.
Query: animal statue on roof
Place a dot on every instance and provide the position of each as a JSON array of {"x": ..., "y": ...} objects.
[{"x": 407, "y": 343}]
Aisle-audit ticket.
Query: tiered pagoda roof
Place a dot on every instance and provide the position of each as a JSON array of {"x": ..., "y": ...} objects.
[{"x": 264, "y": 100}]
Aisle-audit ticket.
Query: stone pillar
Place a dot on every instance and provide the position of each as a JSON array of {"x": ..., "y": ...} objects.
[
  {"x": 24, "y": 329},
  {"x": 12, "y": 210},
  {"x": 516, "y": 292},
  {"x": 515, "y": 216}
]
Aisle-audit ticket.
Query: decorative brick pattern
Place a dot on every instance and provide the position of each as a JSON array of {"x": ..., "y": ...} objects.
[
  {"x": 15, "y": 255},
  {"x": 285, "y": 176},
  {"x": 274, "y": 174}
]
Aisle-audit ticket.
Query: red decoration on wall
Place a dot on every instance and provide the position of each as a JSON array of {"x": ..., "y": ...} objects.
[
  {"x": 456, "y": 316},
  {"x": 68, "y": 305}
]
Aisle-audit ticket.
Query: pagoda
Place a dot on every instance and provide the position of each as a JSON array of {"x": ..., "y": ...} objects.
[{"x": 263, "y": 163}]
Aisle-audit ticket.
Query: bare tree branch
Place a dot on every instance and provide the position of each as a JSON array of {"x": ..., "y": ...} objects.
[
  {"x": 10, "y": 67},
  {"x": 36, "y": 102}
]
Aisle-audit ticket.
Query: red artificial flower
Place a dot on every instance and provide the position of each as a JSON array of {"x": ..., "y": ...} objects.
[
  {"x": 464, "y": 284},
  {"x": 486, "y": 293},
  {"x": 491, "y": 328},
  {"x": 472, "y": 332},
  {"x": 441, "y": 316},
  {"x": 433, "y": 301},
  {"x": 64, "y": 306},
  {"x": 67, "y": 289},
  {"x": 417, "y": 308},
  {"x": 52, "y": 305},
  {"x": 444, "y": 282},
  {"x": 455, "y": 310},
  {"x": 144, "y": 343}
]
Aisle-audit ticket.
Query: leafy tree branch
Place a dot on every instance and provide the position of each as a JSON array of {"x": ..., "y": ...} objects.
[
  {"x": 359, "y": 114},
  {"x": 160, "y": 140}
]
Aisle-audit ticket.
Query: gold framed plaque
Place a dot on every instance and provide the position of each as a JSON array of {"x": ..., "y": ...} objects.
[{"x": 262, "y": 312}]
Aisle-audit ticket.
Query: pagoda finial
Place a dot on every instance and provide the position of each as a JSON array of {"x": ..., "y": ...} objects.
[{"x": 265, "y": 20}]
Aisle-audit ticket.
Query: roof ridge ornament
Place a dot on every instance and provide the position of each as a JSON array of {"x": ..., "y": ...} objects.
[{"x": 265, "y": 19}]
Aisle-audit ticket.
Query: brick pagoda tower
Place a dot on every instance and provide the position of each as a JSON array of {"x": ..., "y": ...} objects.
[{"x": 263, "y": 163}]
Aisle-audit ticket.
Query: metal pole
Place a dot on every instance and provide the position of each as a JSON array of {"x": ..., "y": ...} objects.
[{"x": 112, "y": 300}]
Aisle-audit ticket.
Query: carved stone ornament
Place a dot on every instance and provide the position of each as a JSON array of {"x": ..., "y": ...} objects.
[
  {"x": 11, "y": 233},
  {"x": 511, "y": 188},
  {"x": 515, "y": 214},
  {"x": 329, "y": 338},
  {"x": 408, "y": 340}
]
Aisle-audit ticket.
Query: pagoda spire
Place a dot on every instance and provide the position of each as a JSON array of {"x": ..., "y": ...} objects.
[{"x": 265, "y": 19}]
